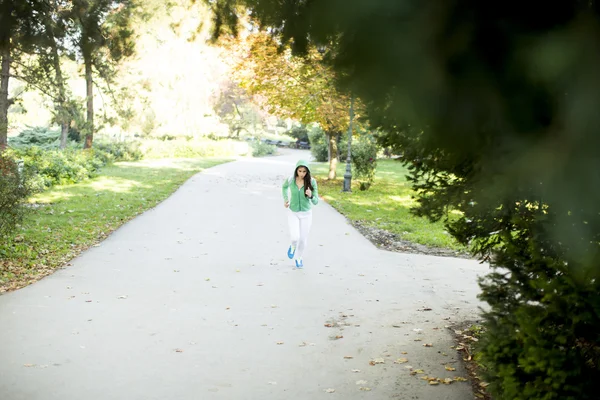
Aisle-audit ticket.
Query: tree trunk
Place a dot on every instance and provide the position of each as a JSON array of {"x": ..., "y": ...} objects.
[
  {"x": 64, "y": 134},
  {"x": 328, "y": 148},
  {"x": 89, "y": 85},
  {"x": 333, "y": 158},
  {"x": 64, "y": 118},
  {"x": 4, "y": 103}
]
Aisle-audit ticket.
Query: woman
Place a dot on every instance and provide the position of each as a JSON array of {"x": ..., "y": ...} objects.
[{"x": 304, "y": 194}]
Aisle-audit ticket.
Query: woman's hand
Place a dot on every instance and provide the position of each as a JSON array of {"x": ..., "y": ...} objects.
[
  {"x": 286, "y": 204},
  {"x": 308, "y": 192}
]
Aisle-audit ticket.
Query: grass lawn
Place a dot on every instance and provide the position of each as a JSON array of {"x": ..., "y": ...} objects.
[
  {"x": 386, "y": 205},
  {"x": 69, "y": 219}
]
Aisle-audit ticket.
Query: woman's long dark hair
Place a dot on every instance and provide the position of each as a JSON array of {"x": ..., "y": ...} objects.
[{"x": 307, "y": 179}]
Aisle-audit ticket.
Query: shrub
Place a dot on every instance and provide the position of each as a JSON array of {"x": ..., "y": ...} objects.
[
  {"x": 183, "y": 148},
  {"x": 260, "y": 149},
  {"x": 121, "y": 151},
  {"x": 57, "y": 167},
  {"x": 14, "y": 189},
  {"x": 318, "y": 144},
  {"x": 36, "y": 136},
  {"x": 364, "y": 159}
]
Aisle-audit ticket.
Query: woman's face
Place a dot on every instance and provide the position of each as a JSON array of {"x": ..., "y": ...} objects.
[{"x": 302, "y": 172}]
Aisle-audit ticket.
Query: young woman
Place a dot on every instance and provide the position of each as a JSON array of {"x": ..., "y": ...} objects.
[{"x": 304, "y": 194}]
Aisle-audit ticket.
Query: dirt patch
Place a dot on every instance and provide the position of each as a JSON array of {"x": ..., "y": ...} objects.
[{"x": 392, "y": 242}]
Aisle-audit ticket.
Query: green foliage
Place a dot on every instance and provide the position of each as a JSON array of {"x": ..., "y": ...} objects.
[
  {"x": 260, "y": 149},
  {"x": 58, "y": 167},
  {"x": 14, "y": 190},
  {"x": 318, "y": 144},
  {"x": 364, "y": 158},
  {"x": 36, "y": 136},
  {"x": 192, "y": 148},
  {"x": 120, "y": 151},
  {"x": 299, "y": 132}
]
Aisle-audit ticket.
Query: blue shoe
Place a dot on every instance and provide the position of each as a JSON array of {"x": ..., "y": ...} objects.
[
  {"x": 299, "y": 264},
  {"x": 291, "y": 252}
]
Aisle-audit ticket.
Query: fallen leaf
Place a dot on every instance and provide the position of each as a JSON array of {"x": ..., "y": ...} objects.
[
  {"x": 377, "y": 361},
  {"x": 339, "y": 337},
  {"x": 328, "y": 325},
  {"x": 484, "y": 384},
  {"x": 361, "y": 382},
  {"x": 279, "y": 342},
  {"x": 427, "y": 345},
  {"x": 449, "y": 368},
  {"x": 447, "y": 381},
  {"x": 29, "y": 365},
  {"x": 364, "y": 389},
  {"x": 329, "y": 390},
  {"x": 460, "y": 379},
  {"x": 417, "y": 339},
  {"x": 434, "y": 383},
  {"x": 348, "y": 357},
  {"x": 401, "y": 361},
  {"x": 207, "y": 279},
  {"x": 356, "y": 370},
  {"x": 403, "y": 352}
]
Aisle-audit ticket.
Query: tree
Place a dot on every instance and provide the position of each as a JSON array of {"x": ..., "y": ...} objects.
[
  {"x": 103, "y": 37},
  {"x": 494, "y": 106},
  {"x": 19, "y": 30},
  {"x": 292, "y": 87},
  {"x": 43, "y": 69}
]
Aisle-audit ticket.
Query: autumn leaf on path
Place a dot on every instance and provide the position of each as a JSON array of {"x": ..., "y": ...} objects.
[{"x": 376, "y": 361}]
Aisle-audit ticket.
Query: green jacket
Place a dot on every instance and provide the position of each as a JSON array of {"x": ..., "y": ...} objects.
[{"x": 298, "y": 201}]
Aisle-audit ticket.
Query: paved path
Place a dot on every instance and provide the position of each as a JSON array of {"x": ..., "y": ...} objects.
[{"x": 196, "y": 299}]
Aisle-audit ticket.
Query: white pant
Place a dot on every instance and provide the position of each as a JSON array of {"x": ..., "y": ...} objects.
[{"x": 300, "y": 223}]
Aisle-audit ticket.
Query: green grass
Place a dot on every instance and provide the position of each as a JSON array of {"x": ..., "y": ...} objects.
[
  {"x": 386, "y": 205},
  {"x": 71, "y": 218}
]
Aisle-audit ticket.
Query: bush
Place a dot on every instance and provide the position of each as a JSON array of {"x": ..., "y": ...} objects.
[
  {"x": 121, "y": 151},
  {"x": 36, "y": 136},
  {"x": 260, "y": 149},
  {"x": 14, "y": 190},
  {"x": 183, "y": 148},
  {"x": 364, "y": 159},
  {"x": 318, "y": 144},
  {"x": 59, "y": 167}
]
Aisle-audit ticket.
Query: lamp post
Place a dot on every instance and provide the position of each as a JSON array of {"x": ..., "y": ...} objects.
[{"x": 348, "y": 174}]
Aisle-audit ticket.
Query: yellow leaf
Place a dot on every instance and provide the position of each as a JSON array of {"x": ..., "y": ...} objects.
[
  {"x": 449, "y": 368},
  {"x": 401, "y": 361},
  {"x": 434, "y": 383}
]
